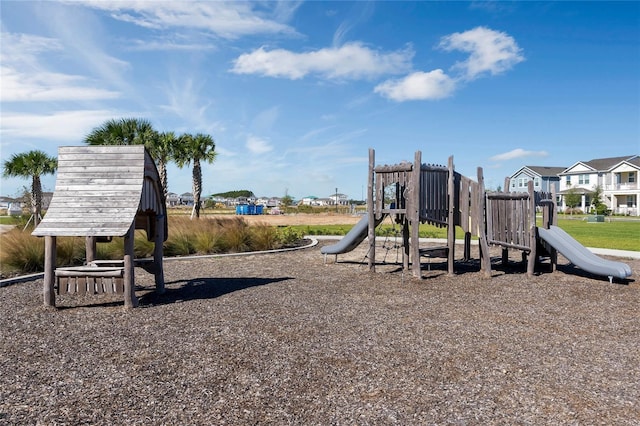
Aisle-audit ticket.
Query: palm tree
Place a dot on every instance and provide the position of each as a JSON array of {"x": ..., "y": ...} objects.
[
  {"x": 32, "y": 164},
  {"x": 125, "y": 131},
  {"x": 161, "y": 149},
  {"x": 195, "y": 149}
]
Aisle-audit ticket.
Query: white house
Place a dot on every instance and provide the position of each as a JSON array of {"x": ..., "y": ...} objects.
[
  {"x": 544, "y": 179},
  {"x": 339, "y": 199},
  {"x": 617, "y": 177}
]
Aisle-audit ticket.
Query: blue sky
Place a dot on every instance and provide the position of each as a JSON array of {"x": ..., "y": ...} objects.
[{"x": 294, "y": 93}]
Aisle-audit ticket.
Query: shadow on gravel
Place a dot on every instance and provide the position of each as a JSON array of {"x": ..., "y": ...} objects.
[{"x": 203, "y": 288}]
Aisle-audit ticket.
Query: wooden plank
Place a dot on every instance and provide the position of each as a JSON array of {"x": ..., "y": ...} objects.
[
  {"x": 81, "y": 286},
  {"x": 106, "y": 182},
  {"x": 92, "y": 271},
  {"x": 63, "y": 283},
  {"x": 119, "y": 285},
  {"x": 117, "y": 189},
  {"x": 402, "y": 167}
]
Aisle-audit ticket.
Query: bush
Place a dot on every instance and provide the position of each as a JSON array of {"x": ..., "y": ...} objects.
[{"x": 23, "y": 253}]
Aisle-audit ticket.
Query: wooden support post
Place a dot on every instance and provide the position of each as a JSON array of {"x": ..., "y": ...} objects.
[
  {"x": 90, "y": 248},
  {"x": 533, "y": 231},
  {"x": 467, "y": 246},
  {"x": 130, "y": 299},
  {"x": 413, "y": 214},
  {"x": 485, "y": 258},
  {"x": 553, "y": 221},
  {"x": 505, "y": 256},
  {"x": 451, "y": 224},
  {"x": 405, "y": 244},
  {"x": 49, "y": 271},
  {"x": 371, "y": 212},
  {"x": 158, "y": 253}
]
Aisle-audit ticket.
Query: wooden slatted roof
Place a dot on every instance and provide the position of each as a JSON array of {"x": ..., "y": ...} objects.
[{"x": 100, "y": 189}]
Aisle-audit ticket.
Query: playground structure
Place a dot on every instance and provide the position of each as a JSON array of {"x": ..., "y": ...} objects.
[
  {"x": 103, "y": 192},
  {"x": 440, "y": 196}
]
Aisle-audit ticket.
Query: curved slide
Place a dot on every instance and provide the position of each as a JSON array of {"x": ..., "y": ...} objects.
[
  {"x": 354, "y": 237},
  {"x": 581, "y": 257}
]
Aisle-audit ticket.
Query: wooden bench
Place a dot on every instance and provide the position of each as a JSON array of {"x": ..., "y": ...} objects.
[{"x": 90, "y": 279}]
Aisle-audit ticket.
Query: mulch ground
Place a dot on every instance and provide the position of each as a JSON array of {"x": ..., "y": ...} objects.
[{"x": 285, "y": 339}]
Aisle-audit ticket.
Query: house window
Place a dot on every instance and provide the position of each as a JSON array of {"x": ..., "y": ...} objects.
[
  {"x": 522, "y": 182},
  {"x": 568, "y": 180},
  {"x": 536, "y": 182},
  {"x": 583, "y": 179},
  {"x": 630, "y": 200},
  {"x": 632, "y": 177}
]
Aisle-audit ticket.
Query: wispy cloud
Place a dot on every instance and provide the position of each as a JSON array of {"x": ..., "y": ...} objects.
[
  {"x": 519, "y": 153},
  {"x": 418, "y": 86},
  {"x": 350, "y": 61},
  {"x": 64, "y": 126},
  {"x": 490, "y": 51},
  {"x": 229, "y": 20},
  {"x": 23, "y": 78},
  {"x": 257, "y": 145},
  {"x": 167, "y": 44},
  {"x": 48, "y": 86}
]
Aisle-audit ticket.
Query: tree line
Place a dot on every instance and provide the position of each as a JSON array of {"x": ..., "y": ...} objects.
[{"x": 164, "y": 147}]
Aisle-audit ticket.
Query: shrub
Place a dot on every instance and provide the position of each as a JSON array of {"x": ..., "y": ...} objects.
[
  {"x": 236, "y": 234},
  {"x": 21, "y": 253},
  {"x": 69, "y": 251},
  {"x": 288, "y": 236},
  {"x": 263, "y": 237}
]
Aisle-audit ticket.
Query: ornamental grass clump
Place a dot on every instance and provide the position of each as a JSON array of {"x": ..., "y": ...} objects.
[
  {"x": 21, "y": 253},
  {"x": 264, "y": 237},
  {"x": 236, "y": 234}
]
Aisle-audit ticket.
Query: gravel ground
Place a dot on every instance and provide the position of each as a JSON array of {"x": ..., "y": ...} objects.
[{"x": 285, "y": 339}]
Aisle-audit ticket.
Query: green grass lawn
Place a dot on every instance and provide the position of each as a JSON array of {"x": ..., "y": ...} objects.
[{"x": 619, "y": 235}]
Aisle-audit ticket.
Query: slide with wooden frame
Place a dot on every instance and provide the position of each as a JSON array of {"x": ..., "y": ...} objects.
[
  {"x": 581, "y": 256},
  {"x": 354, "y": 237}
]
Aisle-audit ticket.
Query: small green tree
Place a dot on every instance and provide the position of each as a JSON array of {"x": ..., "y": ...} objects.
[
  {"x": 194, "y": 149},
  {"x": 596, "y": 200},
  {"x": 572, "y": 198},
  {"x": 32, "y": 164}
]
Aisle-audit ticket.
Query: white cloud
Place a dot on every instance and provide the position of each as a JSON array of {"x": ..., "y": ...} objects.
[
  {"x": 225, "y": 19},
  {"x": 349, "y": 61},
  {"x": 48, "y": 86},
  {"x": 64, "y": 126},
  {"x": 418, "y": 86},
  {"x": 518, "y": 153},
  {"x": 256, "y": 145},
  {"x": 25, "y": 79},
  {"x": 490, "y": 51}
]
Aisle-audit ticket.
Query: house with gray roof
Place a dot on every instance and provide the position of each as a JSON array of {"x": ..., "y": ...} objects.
[
  {"x": 544, "y": 178},
  {"x": 617, "y": 177}
]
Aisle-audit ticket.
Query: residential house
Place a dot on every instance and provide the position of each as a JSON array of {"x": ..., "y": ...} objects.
[
  {"x": 339, "y": 199},
  {"x": 310, "y": 200},
  {"x": 617, "y": 177},
  {"x": 186, "y": 199},
  {"x": 173, "y": 199},
  {"x": 544, "y": 179}
]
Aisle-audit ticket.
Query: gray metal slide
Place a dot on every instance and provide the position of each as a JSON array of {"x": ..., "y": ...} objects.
[
  {"x": 581, "y": 257},
  {"x": 354, "y": 237}
]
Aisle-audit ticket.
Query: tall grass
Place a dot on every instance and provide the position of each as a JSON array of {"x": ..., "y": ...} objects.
[{"x": 21, "y": 253}]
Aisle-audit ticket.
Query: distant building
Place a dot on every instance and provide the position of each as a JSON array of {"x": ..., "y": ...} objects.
[{"x": 617, "y": 177}]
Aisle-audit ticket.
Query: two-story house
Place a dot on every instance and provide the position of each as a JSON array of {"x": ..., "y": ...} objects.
[
  {"x": 617, "y": 178},
  {"x": 544, "y": 179}
]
